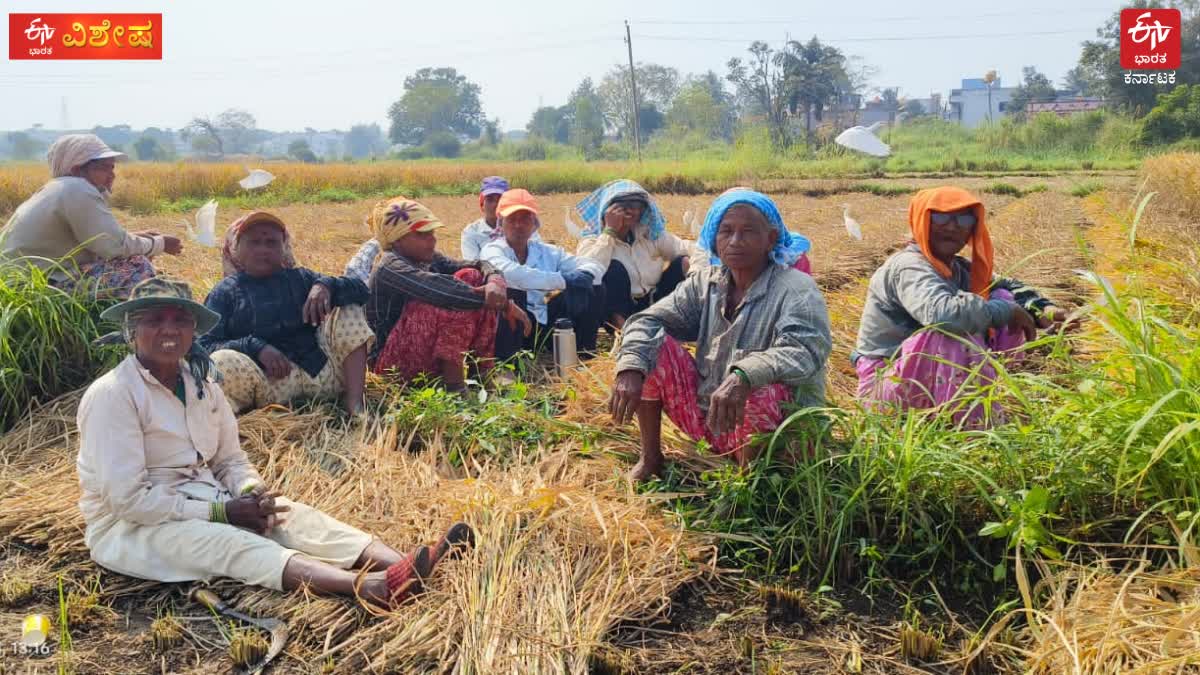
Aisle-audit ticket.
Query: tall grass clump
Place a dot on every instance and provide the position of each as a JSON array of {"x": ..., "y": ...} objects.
[
  {"x": 1176, "y": 174},
  {"x": 1104, "y": 451},
  {"x": 45, "y": 339}
]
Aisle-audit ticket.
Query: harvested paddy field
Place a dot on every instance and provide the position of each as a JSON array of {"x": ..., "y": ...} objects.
[{"x": 577, "y": 572}]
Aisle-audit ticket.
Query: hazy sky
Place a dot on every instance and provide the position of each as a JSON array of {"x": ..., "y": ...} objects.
[{"x": 336, "y": 63}]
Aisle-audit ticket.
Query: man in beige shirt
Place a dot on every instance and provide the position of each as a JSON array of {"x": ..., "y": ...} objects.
[{"x": 68, "y": 229}]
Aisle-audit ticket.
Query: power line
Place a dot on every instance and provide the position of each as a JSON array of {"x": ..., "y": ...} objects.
[
  {"x": 857, "y": 19},
  {"x": 898, "y": 38}
]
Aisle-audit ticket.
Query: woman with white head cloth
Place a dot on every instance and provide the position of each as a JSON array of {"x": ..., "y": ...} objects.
[{"x": 68, "y": 229}]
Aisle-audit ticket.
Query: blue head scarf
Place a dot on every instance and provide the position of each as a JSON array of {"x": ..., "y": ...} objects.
[
  {"x": 788, "y": 248},
  {"x": 591, "y": 208}
]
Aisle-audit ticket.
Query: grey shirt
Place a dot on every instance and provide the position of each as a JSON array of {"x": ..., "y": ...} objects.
[
  {"x": 779, "y": 332},
  {"x": 906, "y": 294}
]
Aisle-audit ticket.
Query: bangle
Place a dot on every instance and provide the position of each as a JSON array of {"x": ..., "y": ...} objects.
[
  {"x": 741, "y": 374},
  {"x": 250, "y": 487},
  {"x": 216, "y": 513},
  {"x": 611, "y": 232}
]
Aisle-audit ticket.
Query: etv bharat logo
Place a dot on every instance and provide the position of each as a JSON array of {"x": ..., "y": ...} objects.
[
  {"x": 1150, "y": 39},
  {"x": 39, "y": 31}
]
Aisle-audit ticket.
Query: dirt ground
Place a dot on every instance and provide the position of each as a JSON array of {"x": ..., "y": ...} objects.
[{"x": 720, "y": 628}]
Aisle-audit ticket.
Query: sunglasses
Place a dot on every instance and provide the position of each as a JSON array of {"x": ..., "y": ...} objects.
[
  {"x": 629, "y": 204},
  {"x": 963, "y": 220}
]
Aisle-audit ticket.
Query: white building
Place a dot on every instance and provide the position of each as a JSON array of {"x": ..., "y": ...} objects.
[{"x": 969, "y": 104}]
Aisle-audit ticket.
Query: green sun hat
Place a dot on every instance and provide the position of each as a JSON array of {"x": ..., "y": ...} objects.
[{"x": 160, "y": 291}]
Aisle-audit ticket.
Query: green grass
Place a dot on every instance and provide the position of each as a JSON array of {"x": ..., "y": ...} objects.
[
  {"x": 1104, "y": 452},
  {"x": 45, "y": 340}
]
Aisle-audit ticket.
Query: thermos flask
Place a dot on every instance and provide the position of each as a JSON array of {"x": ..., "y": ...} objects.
[{"x": 565, "y": 356}]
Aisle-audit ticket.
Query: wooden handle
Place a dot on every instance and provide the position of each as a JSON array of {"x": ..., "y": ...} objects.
[{"x": 207, "y": 598}]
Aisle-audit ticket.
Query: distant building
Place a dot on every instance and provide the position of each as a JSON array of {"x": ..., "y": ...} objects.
[
  {"x": 1064, "y": 107},
  {"x": 969, "y": 105}
]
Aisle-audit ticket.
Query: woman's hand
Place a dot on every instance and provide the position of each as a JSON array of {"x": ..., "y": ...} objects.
[
  {"x": 515, "y": 315},
  {"x": 1023, "y": 321},
  {"x": 626, "y": 395},
  {"x": 495, "y": 297},
  {"x": 615, "y": 219},
  {"x": 275, "y": 364},
  {"x": 1056, "y": 317},
  {"x": 727, "y": 406},
  {"x": 256, "y": 513},
  {"x": 318, "y": 305},
  {"x": 172, "y": 245}
]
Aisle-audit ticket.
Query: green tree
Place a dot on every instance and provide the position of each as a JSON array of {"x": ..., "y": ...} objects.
[
  {"x": 657, "y": 86},
  {"x": 550, "y": 123},
  {"x": 231, "y": 131},
  {"x": 23, "y": 145},
  {"x": 1100, "y": 60},
  {"x": 148, "y": 149},
  {"x": 1176, "y": 116},
  {"x": 891, "y": 102},
  {"x": 914, "y": 108},
  {"x": 365, "y": 140},
  {"x": 117, "y": 137},
  {"x": 1034, "y": 87},
  {"x": 1080, "y": 82},
  {"x": 760, "y": 85},
  {"x": 694, "y": 110},
  {"x": 813, "y": 76},
  {"x": 435, "y": 100},
  {"x": 490, "y": 135},
  {"x": 444, "y": 144},
  {"x": 586, "y": 117},
  {"x": 300, "y": 151}
]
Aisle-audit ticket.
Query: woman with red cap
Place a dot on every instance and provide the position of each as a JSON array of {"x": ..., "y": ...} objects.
[{"x": 933, "y": 320}]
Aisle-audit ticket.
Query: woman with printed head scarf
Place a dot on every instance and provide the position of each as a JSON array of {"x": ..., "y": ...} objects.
[
  {"x": 761, "y": 332},
  {"x": 169, "y": 495},
  {"x": 68, "y": 229},
  {"x": 286, "y": 332},
  {"x": 626, "y": 234},
  {"x": 933, "y": 319}
]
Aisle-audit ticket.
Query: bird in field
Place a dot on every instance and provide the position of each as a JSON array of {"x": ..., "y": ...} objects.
[
  {"x": 205, "y": 232},
  {"x": 852, "y": 227}
]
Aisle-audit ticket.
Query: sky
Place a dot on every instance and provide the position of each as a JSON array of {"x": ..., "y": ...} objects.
[{"x": 330, "y": 65}]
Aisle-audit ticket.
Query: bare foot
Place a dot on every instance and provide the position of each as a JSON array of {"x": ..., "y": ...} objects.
[
  {"x": 374, "y": 589},
  {"x": 646, "y": 468}
]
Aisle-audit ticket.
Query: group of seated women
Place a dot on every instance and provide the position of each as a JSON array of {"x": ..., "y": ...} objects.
[{"x": 168, "y": 493}]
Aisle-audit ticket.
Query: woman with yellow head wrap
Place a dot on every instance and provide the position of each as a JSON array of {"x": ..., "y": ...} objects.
[{"x": 430, "y": 312}]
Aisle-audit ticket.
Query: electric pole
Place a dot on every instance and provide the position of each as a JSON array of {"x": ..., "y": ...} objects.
[{"x": 637, "y": 132}]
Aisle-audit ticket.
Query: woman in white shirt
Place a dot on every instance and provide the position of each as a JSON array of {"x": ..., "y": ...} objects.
[
  {"x": 169, "y": 495},
  {"x": 548, "y": 282},
  {"x": 626, "y": 235}
]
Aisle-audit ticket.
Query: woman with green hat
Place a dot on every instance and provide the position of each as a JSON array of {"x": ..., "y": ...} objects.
[{"x": 169, "y": 495}]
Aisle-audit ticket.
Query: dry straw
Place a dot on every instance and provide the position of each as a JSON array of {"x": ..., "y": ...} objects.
[{"x": 566, "y": 550}]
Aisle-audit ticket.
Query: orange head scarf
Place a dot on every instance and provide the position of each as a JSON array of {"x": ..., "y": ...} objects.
[{"x": 949, "y": 199}]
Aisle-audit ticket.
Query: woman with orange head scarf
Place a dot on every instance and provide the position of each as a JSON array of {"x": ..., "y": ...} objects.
[{"x": 931, "y": 316}]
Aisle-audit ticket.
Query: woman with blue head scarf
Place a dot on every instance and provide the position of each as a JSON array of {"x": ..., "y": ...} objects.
[
  {"x": 761, "y": 332},
  {"x": 794, "y": 254},
  {"x": 626, "y": 234}
]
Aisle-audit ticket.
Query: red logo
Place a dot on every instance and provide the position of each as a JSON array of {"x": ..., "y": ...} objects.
[
  {"x": 1150, "y": 39},
  {"x": 84, "y": 36}
]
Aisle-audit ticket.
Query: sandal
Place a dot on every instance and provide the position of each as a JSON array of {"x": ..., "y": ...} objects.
[
  {"x": 406, "y": 578},
  {"x": 457, "y": 539}
]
